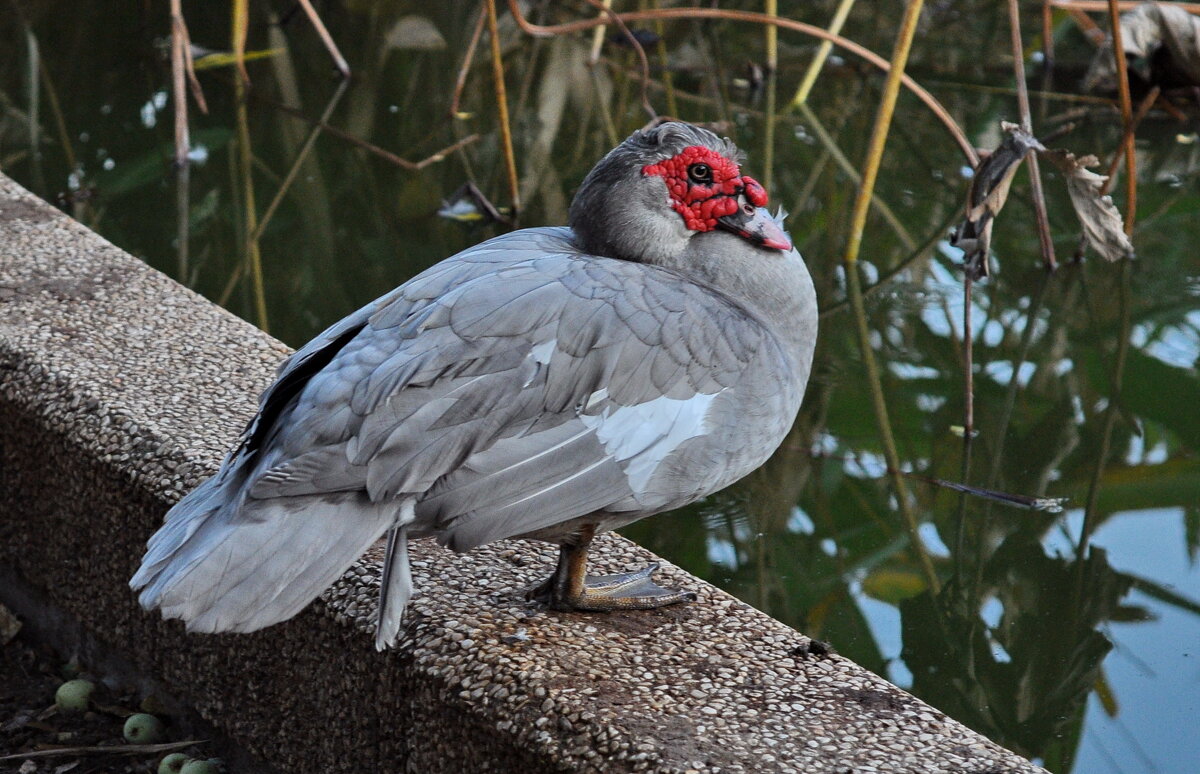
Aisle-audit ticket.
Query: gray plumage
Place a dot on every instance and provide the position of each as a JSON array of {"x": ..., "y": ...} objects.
[{"x": 547, "y": 377}]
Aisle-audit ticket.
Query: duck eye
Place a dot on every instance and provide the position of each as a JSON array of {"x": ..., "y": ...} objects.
[{"x": 700, "y": 173}]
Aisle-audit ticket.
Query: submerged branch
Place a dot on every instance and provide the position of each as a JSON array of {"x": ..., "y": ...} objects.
[
  {"x": 1029, "y": 502},
  {"x": 387, "y": 155}
]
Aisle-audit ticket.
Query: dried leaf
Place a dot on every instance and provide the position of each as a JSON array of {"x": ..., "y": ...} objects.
[
  {"x": 989, "y": 190},
  {"x": 1162, "y": 46},
  {"x": 9, "y": 625},
  {"x": 1100, "y": 218}
]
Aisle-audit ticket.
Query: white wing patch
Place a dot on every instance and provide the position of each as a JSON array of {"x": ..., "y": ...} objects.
[
  {"x": 642, "y": 436},
  {"x": 540, "y": 354},
  {"x": 599, "y": 396}
]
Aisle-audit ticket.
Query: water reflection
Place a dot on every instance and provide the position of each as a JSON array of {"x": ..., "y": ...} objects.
[{"x": 1086, "y": 381}]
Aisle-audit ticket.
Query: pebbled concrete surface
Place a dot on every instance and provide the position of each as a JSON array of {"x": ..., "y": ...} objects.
[{"x": 120, "y": 390}]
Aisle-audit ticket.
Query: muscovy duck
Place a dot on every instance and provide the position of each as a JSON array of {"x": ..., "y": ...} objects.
[{"x": 550, "y": 383}]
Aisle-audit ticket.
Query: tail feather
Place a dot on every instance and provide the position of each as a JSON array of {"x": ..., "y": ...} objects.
[
  {"x": 188, "y": 515},
  {"x": 315, "y": 560},
  {"x": 223, "y": 562},
  {"x": 396, "y": 587}
]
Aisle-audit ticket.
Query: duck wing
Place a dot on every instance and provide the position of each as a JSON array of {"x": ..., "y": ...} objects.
[{"x": 549, "y": 385}]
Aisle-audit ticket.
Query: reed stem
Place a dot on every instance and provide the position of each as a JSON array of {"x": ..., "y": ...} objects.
[
  {"x": 818, "y": 62},
  {"x": 339, "y": 61},
  {"x": 510, "y": 162},
  {"x": 178, "y": 84},
  {"x": 1118, "y": 45},
  {"x": 858, "y": 220},
  {"x": 1035, "y": 176}
]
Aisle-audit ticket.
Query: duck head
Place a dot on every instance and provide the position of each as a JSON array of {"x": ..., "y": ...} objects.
[{"x": 662, "y": 188}]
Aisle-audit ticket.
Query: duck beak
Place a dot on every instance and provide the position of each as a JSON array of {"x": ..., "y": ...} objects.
[{"x": 756, "y": 225}]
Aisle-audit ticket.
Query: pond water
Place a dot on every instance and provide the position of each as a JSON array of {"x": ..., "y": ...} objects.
[{"x": 1079, "y": 651}]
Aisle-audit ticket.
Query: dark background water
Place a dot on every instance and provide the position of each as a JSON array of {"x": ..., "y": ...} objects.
[{"x": 1086, "y": 661}]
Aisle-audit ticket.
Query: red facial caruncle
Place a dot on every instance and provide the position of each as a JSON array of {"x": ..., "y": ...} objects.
[{"x": 704, "y": 186}]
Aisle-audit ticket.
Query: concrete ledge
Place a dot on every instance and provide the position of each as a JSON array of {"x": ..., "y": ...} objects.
[{"x": 120, "y": 390}]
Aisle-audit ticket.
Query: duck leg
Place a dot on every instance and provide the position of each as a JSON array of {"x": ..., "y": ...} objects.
[{"x": 570, "y": 588}]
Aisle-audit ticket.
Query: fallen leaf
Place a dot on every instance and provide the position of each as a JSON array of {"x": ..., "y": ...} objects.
[
  {"x": 1162, "y": 46},
  {"x": 1101, "y": 221},
  {"x": 985, "y": 199}
]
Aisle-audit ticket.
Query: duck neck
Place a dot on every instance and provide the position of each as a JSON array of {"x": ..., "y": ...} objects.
[{"x": 773, "y": 285}]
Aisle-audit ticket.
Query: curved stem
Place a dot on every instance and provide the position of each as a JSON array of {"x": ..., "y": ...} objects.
[{"x": 928, "y": 99}]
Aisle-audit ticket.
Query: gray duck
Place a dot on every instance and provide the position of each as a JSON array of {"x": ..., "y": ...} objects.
[{"x": 550, "y": 383}]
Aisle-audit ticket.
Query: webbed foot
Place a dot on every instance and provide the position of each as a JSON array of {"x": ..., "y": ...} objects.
[{"x": 570, "y": 589}]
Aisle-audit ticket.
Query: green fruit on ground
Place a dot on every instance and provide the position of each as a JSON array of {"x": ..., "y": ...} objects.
[
  {"x": 143, "y": 729},
  {"x": 172, "y": 764},
  {"x": 210, "y": 766},
  {"x": 73, "y": 695}
]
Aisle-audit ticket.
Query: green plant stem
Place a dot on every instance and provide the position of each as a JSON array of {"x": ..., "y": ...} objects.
[
  {"x": 598, "y": 35},
  {"x": 35, "y": 105},
  {"x": 858, "y": 220},
  {"x": 241, "y": 24},
  {"x": 885, "y": 277},
  {"x": 461, "y": 81},
  {"x": 60, "y": 124},
  {"x": 768, "y": 161}
]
